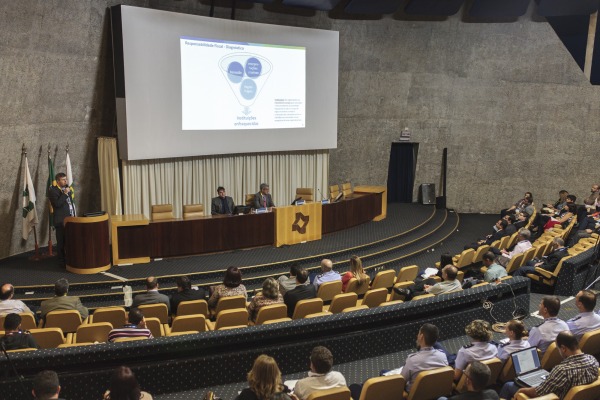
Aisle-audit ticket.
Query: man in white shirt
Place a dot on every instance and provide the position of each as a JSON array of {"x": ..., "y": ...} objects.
[
  {"x": 522, "y": 245},
  {"x": 449, "y": 283},
  {"x": 7, "y": 304},
  {"x": 320, "y": 376},
  {"x": 543, "y": 335},
  {"x": 587, "y": 320}
]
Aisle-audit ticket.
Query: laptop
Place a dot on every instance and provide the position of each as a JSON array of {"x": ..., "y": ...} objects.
[{"x": 528, "y": 369}]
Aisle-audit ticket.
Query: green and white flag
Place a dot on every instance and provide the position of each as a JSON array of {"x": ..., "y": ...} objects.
[
  {"x": 30, "y": 218},
  {"x": 70, "y": 182}
]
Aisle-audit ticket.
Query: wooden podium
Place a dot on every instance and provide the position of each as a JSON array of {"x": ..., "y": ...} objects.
[
  {"x": 297, "y": 224},
  {"x": 87, "y": 246}
]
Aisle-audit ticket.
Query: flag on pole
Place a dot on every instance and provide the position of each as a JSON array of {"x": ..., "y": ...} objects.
[
  {"x": 30, "y": 218},
  {"x": 70, "y": 182},
  {"x": 51, "y": 182}
]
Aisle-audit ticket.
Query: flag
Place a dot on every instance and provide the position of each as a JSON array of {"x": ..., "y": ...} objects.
[
  {"x": 51, "y": 182},
  {"x": 70, "y": 182},
  {"x": 30, "y": 218}
]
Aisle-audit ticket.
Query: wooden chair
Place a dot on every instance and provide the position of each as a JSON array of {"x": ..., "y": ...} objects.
[
  {"x": 229, "y": 318},
  {"x": 431, "y": 384},
  {"x": 159, "y": 311},
  {"x": 334, "y": 191},
  {"x": 495, "y": 365},
  {"x": 356, "y": 308},
  {"x": 514, "y": 263},
  {"x": 342, "y": 393},
  {"x": 249, "y": 199},
  {"x": 306, "y": 194},
  {"x": 551, "y": 357},
  {"x": 342, "y": 301},
  {"x": 374, "y": 297},
  {"x": 307, "y": 306},
  {"x": 193, "y": 307},
  {"x": 67, "y": 320},
  {"x": 184, "y": 323},
  {"x": 347, "y": 189},
  {"x": 407, "y": 274},
  {"x": 481, "y": 250},
  {"x": 154, "y": 325},
  {"x": 545, "y": 277},
  {"x": 359, "y": 289},
  {"x": 590, "y": 342},
  {"x": 384, "y": 279},
  {"x": 193, "y": 211},
  {"x": 328, "y": 290},
  {"x": 162, "y": 211},
  {"x": 116, "y": 316},
  {"x": 92, "y": 333},
  {"x": 230, "y": 303},
  {"x": 48, "y": 338},
  {"x": 464, "y": 259},
  {"x": 27, "y": 321},
  {"x": 273, "y": 311},
  {"x": 383, "y": 387}
]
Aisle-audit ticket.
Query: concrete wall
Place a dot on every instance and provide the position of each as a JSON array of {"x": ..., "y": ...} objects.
[{"x": 507, "y": 100}]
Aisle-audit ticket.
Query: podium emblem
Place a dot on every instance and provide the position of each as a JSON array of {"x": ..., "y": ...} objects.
[{"x": 296, "y": 225}]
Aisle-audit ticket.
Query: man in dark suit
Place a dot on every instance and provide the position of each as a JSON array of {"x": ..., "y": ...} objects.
[
  {"x": 263, "y": 198},
  {"x": 151, "y": 296},
  {"x": 61, "y": 301},
  {"x": 61, "y": 198},
  {"x": 550, "y": 263},
  {"x": 300, "y": 292},
  {"x": 185, "y": 293},
  {"x": 221, "y": 204}
]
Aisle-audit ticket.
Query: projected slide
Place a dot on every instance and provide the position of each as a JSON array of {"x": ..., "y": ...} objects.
[{"x": 233, "y": 85}]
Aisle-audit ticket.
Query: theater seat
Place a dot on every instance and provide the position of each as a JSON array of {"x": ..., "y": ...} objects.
[
  {"x": 159, "y": 311},
  {"x": 374, "y": 297},
  {"x": 342, "y": 393},
  {"x": 154, "y": 325},
  {"x": 193, "y": 307},
  {"x": 48, "y": 338},
  {"x": 432, "y": 384},
  {"x": 328, "y": 290},
  {"x": 273, "y": 311},
  {"x": 551, "y": 357},
  {"x": 67, "y": 320},
  {"x": 193, "y": 211},
  {"x": 383, "y": 387},
  {"x": 359, "y": 289},
  {"x": 185, "y": 323},
  {"x": 307, "y": 306},
  {"x": 229, "y": 318},
  {"x": 230, "y": 303},
  {"x": 306, "y": 194},
  {"x": 115, "y": 315},
  {"x": 384, "y": 279},
  {"x": 408, "y": 273},
  {"x": 590, "y": 342},
  {"x": 91, "y": 333},
  {"x": 342, "y": 301},
  {"x": 162, "y": 211},
  {"x": 495, "y": 365}
]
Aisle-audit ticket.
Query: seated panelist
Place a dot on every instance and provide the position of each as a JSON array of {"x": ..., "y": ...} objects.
[
  {"x": 263, "y": 198},
  {"x": 222, "y": 204}
]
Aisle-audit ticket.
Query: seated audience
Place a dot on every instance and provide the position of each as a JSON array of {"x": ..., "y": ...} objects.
[
  {"x": 430, "y": 285},
  {"x": 477, "y": 376},
  {"x": 356, "y": 271},
  {"x": 14, "y": 338},
  {"x": 46, "y": 386},
  {"x": 231, "y": 286},
  {"x": 320, "y": 376},
  {"x": 302, "y": 291},
  {"x": 151, "y": 296},
  {"x": 289, "y": 282},
  {"x": 480, "y": 349},
  {"x": 494, "y": 270},
  {"x": 559, "y": 251},
  {"x": 587, "y": 320},
  {"x": 510, "y": 221},
  {"x": 542, "y": 218},
  {"x": 7, "y": 304},
  {"x": 558, "y": 204},
  {"x": 521, "y": 221},
  {"x": 498, "y": 233},
  {"x": 61, "y": 301},
  {"x": 543, "y": 335},
  {"x": 327, "y": 275},
  {"x": 269, "y": 295},
  {"x": 135, "y": 327},
  {"x": 519, "y": 205},
  {"x": 124, "y": 386},
  {"x": 515, "y": 331},
  {"x": 571, "y": 211},
  {"x": 185, "y": 292},
  {"x": 595, "y": 193},
  {"x": 576, "y": 369},
  {"x": 523, "y": 244},
  {"x": 264, "y": 381}
]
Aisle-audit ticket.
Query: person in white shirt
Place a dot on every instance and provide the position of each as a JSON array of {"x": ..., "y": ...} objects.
[
  {"x": 327, "y": 275},
  {"x": 522, "y": 245},
  {"x": 586, "y": 320},
  {"x": 449, "y": 283},
  {"x": 287, "y": 283},
  {"x": 480, "y": 349},
  {"x": 7, "y": 304},
  {"x": 320, "y": 376},
  {"x": 514, "y": 331},
  {"x": 543, "y": 335}
]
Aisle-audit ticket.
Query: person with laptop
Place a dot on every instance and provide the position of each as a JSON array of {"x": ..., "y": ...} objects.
[
  {"x": 576, "y": 369},
  {"x": 586, "y": 320},
  {"x": 543, "y": 335}
]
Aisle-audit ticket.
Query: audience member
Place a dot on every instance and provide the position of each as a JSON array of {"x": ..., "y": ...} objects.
[
  {"x": 151, "y": 296},
  {"x": 264, "y": 381},
  {"x": 587, "y": 320},
  {"x": 356, "y": 271},
  {"x": 542, "y": 218},
  {"x": 231, "y": 286},
  {"x": 7, "y": 304},
  {"x": 124, "y": 386},
  {"x": 269, "y": 295},
  {"x": 559, "y": 251},
  {"x": 185, "y": 292},
  {"x": 448, "y": 284},
  {"x": 521, "y": 220},
  {"x": 543, "y": 335},
  {"x": 302, "y": 291},
  {"x": 558, "y": 205},
  {"x": 61, "y": 301},
  {"x": 595, "y": 193},
  {"x": 320, "y": 376},
  {"x": 477, "y": 376},
  {"x": 523, "y": 244},
  {"x": 510, "y": 223},
  {"x": 576, "y": 369},
  {"x": 14, "y": 338},
  {"x": 519, "y": 205},
  {"x": 515, "y": 332},
  {"x": 571, "y": 211},
  {"x": 135, "y": 327},
  {"x": 430, "y": 285},
  {"x": 494, "y": 270},
  {"x": 498, "y": 233},
  {"x": 480, "y": 348},
  {"x": 327, "y": 275},
  {"x": 289, "y": 282},
  {"x": 46, "y": 386}
]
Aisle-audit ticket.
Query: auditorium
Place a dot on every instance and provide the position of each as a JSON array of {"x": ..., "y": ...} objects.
[{"x": 300, "y": 199}]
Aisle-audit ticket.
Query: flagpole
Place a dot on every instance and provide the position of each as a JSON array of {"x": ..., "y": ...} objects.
[
  {"x": 49, "y": 228},
  {"x": 37, "y": 247}
]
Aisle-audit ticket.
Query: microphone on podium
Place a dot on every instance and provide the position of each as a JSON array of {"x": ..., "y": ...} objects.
[{"x": 321, "y": 194}]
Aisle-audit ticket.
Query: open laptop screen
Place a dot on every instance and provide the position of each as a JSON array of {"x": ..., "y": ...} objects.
[{"x": 525, "y": 360}]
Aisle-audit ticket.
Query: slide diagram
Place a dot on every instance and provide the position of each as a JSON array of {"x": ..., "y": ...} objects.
[{"x": 246, "y": 74}]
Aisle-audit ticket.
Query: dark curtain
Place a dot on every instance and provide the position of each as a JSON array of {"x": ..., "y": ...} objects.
[{"x": 401, "y": 172}]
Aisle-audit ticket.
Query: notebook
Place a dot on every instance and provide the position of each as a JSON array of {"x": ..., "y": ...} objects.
[{"x": 528, "y": 369}]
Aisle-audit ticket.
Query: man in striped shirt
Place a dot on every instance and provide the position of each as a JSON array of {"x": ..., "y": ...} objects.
[{"x": 134, "y": 328}]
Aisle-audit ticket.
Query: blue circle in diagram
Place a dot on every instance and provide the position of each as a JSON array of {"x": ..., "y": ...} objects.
[
  {"x": 253, "y": 67},
  {"x": 248, "y": 89},
  {"x": 235, "y": 72}
]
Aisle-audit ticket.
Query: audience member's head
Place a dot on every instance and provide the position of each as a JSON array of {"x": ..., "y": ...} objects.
[
  {"x": 7, "y": 291},
  {"x": 265, "y": 377},
  {"x": 479, "y": 375},
  {"x": 567, "y": 343},
  {"x": 151, "y": 283},
  {"x": 61, "y": 287},
  {"x": 326, "y": 265},
  {"x": 233, "y": 277},
  {"x": 479, "y": 330},
  {"x": 488, "y": 258},
  {"x": 558, "y": 242},
  {"x": 550, "y": 305},
  {"x": 357, "y": 270},
  {"x": 46, "y": 385},
  {"x": 572, "y": 208},
  {"x": 502, "y": 224},
  {"x": 430, "y": 333},
  {"x": 294, "y": 269},
  {"x": 571, "y": 198},
  {"x": 515, "y": 329},
  {"x": 302, "y": 276},
  {"x": 523, "y": 216},
  {"x": 529, "y": 196},
  {"x": 509, "y": 218},
  {"x": 270, "y": 288},
  {"x": 321, "y": 360},
  {"x": 135, "y": 316},
  {"x": 450, "y": 272},
  {"x": 445, "y": 259},
  {"x": 12, "y": 322},
  {"x": 123, "y": 385},
  {"x": 586, "y": 300},
  {"x": 525, "y": 234},
  {"x": 183, "y": 283}
]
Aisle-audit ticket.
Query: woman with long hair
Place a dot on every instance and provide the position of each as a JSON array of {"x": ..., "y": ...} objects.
[
  {"x": 270, "y": 295},
  {"x": 124, "y": 386},
  {"x": 264, "y": 381},
  {"x": 356, "y": 271}
]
